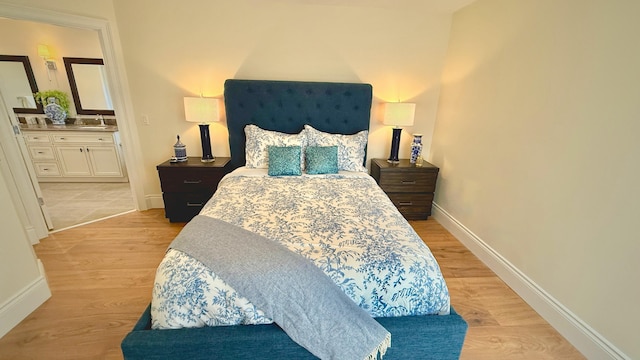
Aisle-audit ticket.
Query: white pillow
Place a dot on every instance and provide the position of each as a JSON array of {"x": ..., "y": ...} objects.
[
  {"x": 259, "y": 140},
  {"x": 350, "y": 147}
]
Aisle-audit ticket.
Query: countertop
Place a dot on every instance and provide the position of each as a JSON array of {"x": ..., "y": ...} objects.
[{"x": 49, "y": 127}]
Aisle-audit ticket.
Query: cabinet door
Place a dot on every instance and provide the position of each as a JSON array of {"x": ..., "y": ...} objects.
[
  {"x": 74, "y": 160},
  {"x": 104, "y": 160}
]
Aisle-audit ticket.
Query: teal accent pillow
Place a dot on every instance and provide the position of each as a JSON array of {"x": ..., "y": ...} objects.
[
  {"x": 321, "y": 160},
  {"x": 284, "y": 160}
]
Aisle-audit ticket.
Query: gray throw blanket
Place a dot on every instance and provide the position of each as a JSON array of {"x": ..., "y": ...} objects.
[{"x": 288, "y": 288}]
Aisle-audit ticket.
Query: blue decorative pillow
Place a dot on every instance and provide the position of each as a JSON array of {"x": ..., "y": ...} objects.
[
  {"x": 284, "y": 160},
  {"x": 350, "y": 147},
  {"x": 322, "y": 160}
]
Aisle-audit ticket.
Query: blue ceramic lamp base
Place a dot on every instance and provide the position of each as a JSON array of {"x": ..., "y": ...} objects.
[
  {"x": 205, "y": 138},
  {"x": 395, "y": 146}
]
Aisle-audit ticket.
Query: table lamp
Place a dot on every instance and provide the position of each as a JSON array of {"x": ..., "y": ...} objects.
[
  {"x": 397, "y": 114},
  {"x": 203, "y": 111}
]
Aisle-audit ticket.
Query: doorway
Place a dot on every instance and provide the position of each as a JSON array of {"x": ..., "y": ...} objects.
[
  {"x": 117, "y": 86},
  {"x": 67, "y": 201}
]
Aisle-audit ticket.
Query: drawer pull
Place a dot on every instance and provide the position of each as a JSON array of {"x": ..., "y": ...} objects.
[
  {"x": 405, "y": 203},
  {"x": 40, "y": 152},
  {"x": 190, "y": 204},
  {"x": 409, "y": 182},
  {"x": 193, "y": 181}
]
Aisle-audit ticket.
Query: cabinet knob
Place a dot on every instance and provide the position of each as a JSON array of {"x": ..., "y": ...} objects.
[
  {"x": 81, "y": 150},
  {"x": 409, "y": 182},
  {"x": 405, "y": 203},
  {"x": 193, "y": 181}
]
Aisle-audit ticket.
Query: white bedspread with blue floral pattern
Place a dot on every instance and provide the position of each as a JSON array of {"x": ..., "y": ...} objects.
[{"x": 343, "y": 223}]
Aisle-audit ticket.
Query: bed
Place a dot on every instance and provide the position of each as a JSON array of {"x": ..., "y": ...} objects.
[{"x": 431, "y": 331}]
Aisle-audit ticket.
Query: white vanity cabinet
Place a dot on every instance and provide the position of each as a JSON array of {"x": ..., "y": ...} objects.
[{"x": 75, "y": 156}]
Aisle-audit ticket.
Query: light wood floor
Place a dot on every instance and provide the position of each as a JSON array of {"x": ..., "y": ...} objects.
[{"x": 101, "y": 276}]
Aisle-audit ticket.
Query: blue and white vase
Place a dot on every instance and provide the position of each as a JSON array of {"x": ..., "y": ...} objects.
[
  {"x": 180, "y": 150},
  {"x": 416, "y": 148},
  {"x": 54, "y": 111}
]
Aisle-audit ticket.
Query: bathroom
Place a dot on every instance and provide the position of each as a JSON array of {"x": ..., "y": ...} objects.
[{"x": 75, "y": 161}]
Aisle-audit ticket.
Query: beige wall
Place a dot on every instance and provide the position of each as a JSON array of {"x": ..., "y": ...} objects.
[
  {"x": 191, "y": 47},
  {"x": 62, "y": 42},
  {"x": 177, "y": 49},
  {"x": 537, "y": 140}
]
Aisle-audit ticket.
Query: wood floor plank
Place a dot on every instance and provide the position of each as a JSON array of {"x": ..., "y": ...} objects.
[{"x": 101, "y": 275}]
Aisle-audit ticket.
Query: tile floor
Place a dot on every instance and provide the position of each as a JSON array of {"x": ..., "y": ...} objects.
[{"x": 71, "y": 204}]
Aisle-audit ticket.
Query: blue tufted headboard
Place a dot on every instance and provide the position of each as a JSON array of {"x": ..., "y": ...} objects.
[{"x": 286, "y": 106}]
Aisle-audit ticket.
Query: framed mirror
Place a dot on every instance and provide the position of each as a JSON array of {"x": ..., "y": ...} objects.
[
  {"x": 88, "y": 84},
  {"x": 18, "y": 84}
]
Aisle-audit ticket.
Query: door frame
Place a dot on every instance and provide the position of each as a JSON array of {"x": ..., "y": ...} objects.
[{"x": 118, "y": 87}]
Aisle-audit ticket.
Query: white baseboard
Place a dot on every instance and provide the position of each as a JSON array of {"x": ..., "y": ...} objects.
[
  {"x": 154, "y": 201},
  {"x": 24, "y": 303},
  {"x": 32, "y": 235},
  {"x": 588, "y": 341}
]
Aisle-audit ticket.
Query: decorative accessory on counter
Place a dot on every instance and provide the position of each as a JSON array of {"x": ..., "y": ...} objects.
[
  {"x": 60, "y": 102},
  {"x": 202, "y": 110},
  {"x": 416, "y": 149},
  {"x": 55, "y": 112},
  {"x": 397, "y": 114},
  {"x": 180, "y": 150}
]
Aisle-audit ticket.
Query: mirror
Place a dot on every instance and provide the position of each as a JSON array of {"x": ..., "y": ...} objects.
[
  {"x": 88, "y": 84},
  {"x": 18, "y": 84}
]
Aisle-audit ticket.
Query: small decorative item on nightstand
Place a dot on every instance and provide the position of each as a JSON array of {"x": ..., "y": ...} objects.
[
  {"x": 180, "y": 151},
  {"x": 410, "y": 187},
  {"x": 416, "y": 148}
]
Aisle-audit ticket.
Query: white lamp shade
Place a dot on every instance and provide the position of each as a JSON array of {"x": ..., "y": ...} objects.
[
  {"x": 399, "y": 114},
  {"x": 201, "y": 110}
]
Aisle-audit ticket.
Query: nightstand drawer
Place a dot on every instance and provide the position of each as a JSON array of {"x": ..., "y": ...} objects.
[
  {"x": 184, "y": 206},
  {"x": 404, "y": 181},
  {"x": 413, "y": 206},
  {"x": 189, "y": 180}
]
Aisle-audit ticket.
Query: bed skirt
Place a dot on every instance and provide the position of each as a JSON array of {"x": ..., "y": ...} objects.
[{"x": 413, "y": 337}]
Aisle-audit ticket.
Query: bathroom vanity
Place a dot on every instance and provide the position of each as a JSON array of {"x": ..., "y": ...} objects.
[{"x": 75, "y": 153}]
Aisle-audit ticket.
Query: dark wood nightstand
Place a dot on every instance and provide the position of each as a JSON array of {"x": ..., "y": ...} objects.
[
  {"x": 409, "y": 187},
  {"x": 186, "y": 186}
]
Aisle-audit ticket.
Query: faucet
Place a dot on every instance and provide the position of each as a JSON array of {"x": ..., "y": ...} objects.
[{"x": 101, "y": 118}]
